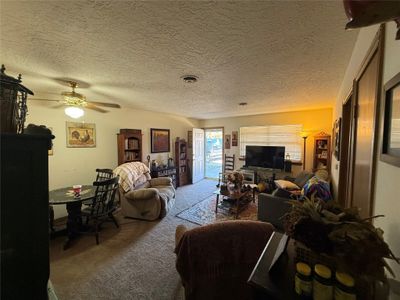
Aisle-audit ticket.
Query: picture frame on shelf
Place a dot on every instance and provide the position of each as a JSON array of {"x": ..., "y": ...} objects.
[
  {"x": 81, "y": 135},
  {"x": 160, "y": 140},
  {"x": 390, "y": 152},
  {"x": 337, "y": 135}
]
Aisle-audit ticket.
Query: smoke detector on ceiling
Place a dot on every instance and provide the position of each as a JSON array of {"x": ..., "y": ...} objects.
[{"x": 190, "y": 78}]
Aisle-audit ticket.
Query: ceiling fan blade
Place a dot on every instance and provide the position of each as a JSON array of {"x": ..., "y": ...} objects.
[
  {"x": 114, "y": 105},
  {"x": 94, "y": 107},
  {"x": 41, "y": 99}
]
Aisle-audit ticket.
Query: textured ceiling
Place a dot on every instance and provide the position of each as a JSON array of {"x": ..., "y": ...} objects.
[{"x": 275, "y": 55}]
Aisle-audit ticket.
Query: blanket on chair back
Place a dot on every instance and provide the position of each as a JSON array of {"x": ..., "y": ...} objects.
[{"x": 132, "y": 174}]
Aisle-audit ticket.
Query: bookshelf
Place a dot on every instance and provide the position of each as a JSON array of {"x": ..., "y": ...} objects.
[
  {"x": 129, "y": 145},
  {"x": 181, "y": 164},
  {"x": 322, "y": 152}
]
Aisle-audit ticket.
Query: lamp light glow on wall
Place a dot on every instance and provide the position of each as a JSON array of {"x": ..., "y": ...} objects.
[
  {"x": 74, "y": 112},
  {"x": 304, "y": 135}
]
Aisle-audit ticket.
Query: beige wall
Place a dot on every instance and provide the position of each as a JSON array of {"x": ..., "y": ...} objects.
[
  {"x": 312, "y": 120},
  {"x": 387, "y": 177},
  {"x": 70, "y": 166}
]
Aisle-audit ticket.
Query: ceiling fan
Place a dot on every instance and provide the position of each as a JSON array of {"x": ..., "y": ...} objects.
[{"x": 75, "y": 102}]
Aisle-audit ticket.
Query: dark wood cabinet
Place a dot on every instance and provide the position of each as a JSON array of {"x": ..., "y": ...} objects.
[
  {"x": 322, "y": 152},
  {"x": 181, "y": 162},
  {"x": 129, "y": 145},
  {"x": 24, "y": 216},
  {"x": 165, "y": 172}
]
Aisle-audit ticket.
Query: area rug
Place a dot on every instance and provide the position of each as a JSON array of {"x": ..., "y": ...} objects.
[{"x": 203, "y": 213}]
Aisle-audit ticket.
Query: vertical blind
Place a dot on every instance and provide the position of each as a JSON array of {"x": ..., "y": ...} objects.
[{"x": 288, "y": 136}]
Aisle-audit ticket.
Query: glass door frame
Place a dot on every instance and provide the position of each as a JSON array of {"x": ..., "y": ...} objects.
[{"x": 205, "y": 145}]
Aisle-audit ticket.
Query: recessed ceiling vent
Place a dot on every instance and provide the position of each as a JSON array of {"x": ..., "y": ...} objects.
[{"x": 190, "y": 78}]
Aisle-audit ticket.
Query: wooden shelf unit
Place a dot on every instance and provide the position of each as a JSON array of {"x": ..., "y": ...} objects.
[
  {"x": 181, "y": 162},
  {"x": 129, "y": 145},
  {"x": 165, "y": 172},
  {"x": 322, "y": 152}
]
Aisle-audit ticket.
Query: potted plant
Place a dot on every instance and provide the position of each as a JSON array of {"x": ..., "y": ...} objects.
[{"x": 342, "y": 239}]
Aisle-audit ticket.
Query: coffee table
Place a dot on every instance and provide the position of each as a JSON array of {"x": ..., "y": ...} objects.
[{"x": 240, "y": 199}]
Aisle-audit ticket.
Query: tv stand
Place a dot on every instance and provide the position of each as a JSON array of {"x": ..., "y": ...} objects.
[{"x": 266, "y": 174}]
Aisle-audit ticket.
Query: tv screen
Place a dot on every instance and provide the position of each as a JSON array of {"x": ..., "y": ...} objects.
[{"x": 271, "y": 157}]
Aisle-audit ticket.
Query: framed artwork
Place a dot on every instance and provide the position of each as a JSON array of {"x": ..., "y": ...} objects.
[
  {"x": 234, "y": 138},
  {"x": 81, "y": 135},
  {"x": 336, "y": 138},
  {"x": 227, "y": 141},
  {"x": 391, "y": 122},
  {"x": 190, "y": 139},
  {"x": 160, "y": 140}
]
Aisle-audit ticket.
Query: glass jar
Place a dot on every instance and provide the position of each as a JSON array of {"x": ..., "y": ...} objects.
[
  {"x": 322, "y": 283},
  {"x": 303, "y": 280},
  {"x": 344, "y": 287}
]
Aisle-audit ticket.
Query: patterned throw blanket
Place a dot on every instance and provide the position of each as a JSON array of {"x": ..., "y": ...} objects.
[{"x": 129, "y": 174}]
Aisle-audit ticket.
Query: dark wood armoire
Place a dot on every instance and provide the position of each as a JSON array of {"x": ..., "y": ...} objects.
[{"x": 24, "y": 216}]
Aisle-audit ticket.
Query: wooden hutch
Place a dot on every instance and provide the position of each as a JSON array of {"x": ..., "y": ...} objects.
[
  {"x": 322, "y": 152},
  {"x": 129, "y": 145},
  {"x": 181, "y": 162}
]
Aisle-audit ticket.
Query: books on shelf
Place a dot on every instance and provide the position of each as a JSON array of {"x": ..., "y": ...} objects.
[
  {"x": 132, "y": 144},
  {"x": 131, "y": 156}
]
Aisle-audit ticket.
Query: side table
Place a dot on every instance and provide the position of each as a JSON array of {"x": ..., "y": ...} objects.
[{"x": 277, "y": 283}]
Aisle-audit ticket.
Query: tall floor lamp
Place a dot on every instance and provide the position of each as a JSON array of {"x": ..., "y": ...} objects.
[{"x": 304, "y": 135}]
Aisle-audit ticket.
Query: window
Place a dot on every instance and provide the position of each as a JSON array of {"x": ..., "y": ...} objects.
[{"x": 273, "y": 135}]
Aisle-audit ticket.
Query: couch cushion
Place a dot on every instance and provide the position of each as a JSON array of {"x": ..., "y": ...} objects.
[{"x": 281, "y": 193}]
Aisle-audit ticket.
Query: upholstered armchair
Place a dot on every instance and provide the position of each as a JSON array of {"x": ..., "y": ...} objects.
[
  {"x": 216, "y": 260},
  {"x": 143, "y": 197}
]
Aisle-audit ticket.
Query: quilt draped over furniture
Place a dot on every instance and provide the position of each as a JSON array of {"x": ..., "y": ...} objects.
[{"x": 141, "y": 196}]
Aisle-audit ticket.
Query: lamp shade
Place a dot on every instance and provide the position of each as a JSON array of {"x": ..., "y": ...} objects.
[{"x": 74, "y": 112}]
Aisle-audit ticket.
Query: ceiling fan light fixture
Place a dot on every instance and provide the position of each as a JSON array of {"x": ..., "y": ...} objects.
[{"x": 74, "y": 112}]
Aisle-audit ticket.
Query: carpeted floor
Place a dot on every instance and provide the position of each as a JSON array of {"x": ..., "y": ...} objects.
[{"x": 135, "y": 261}]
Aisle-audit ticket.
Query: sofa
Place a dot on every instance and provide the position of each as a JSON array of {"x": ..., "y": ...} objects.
[
  {"x": 215, "y": 261},
  {"x": 143, "y": 197},
  {"x": 272, "y": 207}
]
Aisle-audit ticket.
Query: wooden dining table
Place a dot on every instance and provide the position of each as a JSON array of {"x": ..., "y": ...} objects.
[{"x": 65, "y": 196}]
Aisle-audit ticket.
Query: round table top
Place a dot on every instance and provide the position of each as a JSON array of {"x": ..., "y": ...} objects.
[{"x": 66, "y": 195}]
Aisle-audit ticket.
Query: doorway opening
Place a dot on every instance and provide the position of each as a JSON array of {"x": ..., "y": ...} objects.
[{"x": 213, "y": 152}]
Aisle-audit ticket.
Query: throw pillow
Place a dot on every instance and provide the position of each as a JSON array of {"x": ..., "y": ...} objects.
[{"x": 286, "y": 185}]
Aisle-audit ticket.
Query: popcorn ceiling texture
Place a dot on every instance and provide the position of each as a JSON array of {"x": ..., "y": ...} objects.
[{"x": 275, "y": 55}]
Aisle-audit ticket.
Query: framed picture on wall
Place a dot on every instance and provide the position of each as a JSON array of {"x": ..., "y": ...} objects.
[
  {"x": 160, "y": 140},
  {"x": 81, "y": 135},
  {"x": 234, "y": 138},
  {"x": 391, "y": 122},
  {"x": 336, "y": 138},
  {"x": 227, "y": 141}
]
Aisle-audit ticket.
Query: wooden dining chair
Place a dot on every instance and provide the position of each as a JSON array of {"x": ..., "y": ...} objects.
[
  {"x": 103, "y": 206},
  {"x": 104, "y": 174}
]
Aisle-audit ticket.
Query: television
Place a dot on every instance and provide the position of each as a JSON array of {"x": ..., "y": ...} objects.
[{"x": 270, "y": 157}]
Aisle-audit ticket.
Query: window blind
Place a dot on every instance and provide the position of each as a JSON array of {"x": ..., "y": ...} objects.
[{"x": 288, "y": 136}]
